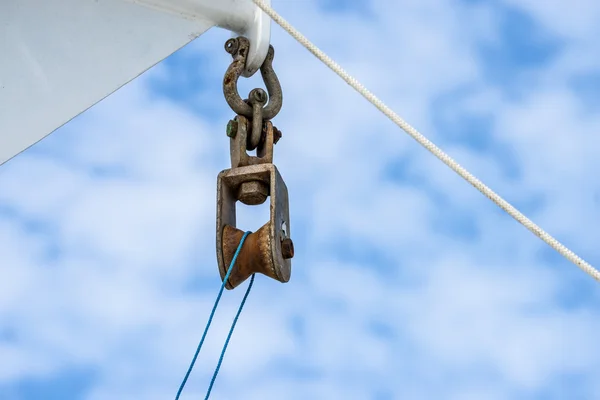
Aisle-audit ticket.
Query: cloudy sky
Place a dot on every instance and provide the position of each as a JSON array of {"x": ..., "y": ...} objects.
[{"x": 407, "y": 283}]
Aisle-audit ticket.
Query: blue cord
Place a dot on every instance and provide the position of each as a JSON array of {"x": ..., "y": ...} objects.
[
  {"x": 212, "y": 314},
  {"x": 212, "y": 381}
]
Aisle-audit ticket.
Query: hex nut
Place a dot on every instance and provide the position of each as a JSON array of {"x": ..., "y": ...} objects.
[
  {"x": 287, "y": 248},
  {"x": 253, "y": 193},
  {"x": 232, "y": 128}
]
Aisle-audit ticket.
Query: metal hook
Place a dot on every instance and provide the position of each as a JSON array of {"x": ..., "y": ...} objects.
[{"x": 239, "y": 48}]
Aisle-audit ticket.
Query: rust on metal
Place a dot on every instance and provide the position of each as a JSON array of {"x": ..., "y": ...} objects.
[
  {"x": 257, "y": 100},
  {"x": 254, "y": 257},
  {"x": 253, "y": 193},
  {"x": 287, "y": 248},
  {"x": 237, "y": 145},
  {"x": 268, "y": 246},
  {"x": 276, "y": 135},
  {"x": 252, "y": 179},
  {"x": 259, "y": 106}
]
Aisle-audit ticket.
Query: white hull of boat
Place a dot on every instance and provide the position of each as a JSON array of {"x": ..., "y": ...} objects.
[{"x": 60, "y": 57}]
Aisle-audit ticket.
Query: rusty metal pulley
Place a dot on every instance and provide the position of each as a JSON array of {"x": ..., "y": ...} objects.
[{"x": 252, "y": 179}]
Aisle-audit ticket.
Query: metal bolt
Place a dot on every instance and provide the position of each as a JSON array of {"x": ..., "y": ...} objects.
[
  {"x": 232, "y": 128},
  {"x": 258, "y": 95},
  {"x": 276, "y": 135},
  {"x": 287, "y": 248},
  {"x": 231, "y": 46},
  {"x": 253, "y": 193}
]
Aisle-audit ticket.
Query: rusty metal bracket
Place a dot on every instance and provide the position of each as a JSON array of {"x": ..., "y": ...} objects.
[
  {"x": 251, "y": 192},
  {"x": 268, "y": 250},
  {"x": 238, "y": 134},
  {"x": 254, "y": 107}
]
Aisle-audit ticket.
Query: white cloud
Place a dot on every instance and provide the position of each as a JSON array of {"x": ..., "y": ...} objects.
[{"x": 432, "y": 315}]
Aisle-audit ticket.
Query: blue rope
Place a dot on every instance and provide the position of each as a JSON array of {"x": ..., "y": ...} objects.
[
  {"x": 212, "y": 381},
  {"x": 212, "y": 314}
]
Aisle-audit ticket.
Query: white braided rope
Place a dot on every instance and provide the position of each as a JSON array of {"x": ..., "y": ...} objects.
[{"x": 436, "y": 151}]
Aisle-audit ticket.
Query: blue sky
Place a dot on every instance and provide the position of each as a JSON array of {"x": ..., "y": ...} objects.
[{"x": 407, "y": 283}]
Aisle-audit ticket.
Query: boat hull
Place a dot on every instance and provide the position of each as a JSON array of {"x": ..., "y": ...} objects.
[{"x": 59, "y": 58}]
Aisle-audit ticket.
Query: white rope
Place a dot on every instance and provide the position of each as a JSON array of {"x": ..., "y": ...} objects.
[{"x": 436, "y": 151}]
